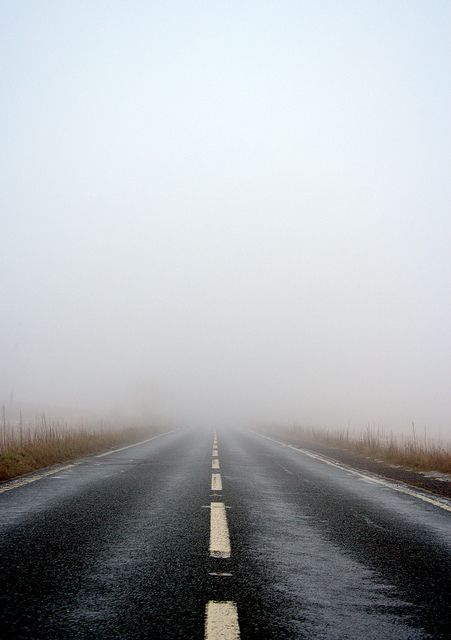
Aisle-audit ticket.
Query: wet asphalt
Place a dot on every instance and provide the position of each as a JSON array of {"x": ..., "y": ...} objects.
[{"x": 118, "y": 547}]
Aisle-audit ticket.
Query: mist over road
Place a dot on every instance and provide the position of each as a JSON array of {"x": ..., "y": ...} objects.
[{"x": 190, "y": 535}]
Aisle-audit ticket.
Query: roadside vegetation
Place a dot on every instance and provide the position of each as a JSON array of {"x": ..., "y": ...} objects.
[
  {"x": 25, "y": 447},
  {"x": 408, "y": 451}
]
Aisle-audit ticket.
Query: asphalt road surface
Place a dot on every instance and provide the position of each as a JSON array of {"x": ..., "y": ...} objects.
[{"x": 188, "y": 536}]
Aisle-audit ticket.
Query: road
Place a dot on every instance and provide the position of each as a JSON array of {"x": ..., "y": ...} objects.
[{"x": 186, "y": 537}]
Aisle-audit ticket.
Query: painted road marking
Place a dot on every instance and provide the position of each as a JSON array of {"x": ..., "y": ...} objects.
[
  {"x": 215, "y": 463},
  {"x": 216, "y": 482},
  {"x": 21, "y": 482},
  {"x": 219, "y": 531},
  {"x": 214, "y": 452},
  {"x": 221, "y": 621},
  {"x": 437, "y": 502},
  {"x": 285, "y": 469},
  {"x": 135, "y": 444}
]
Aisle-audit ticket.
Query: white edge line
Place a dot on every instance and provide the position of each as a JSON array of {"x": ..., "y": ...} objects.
[
  {"x": 22, "y": 481},
  {"x": 437, "y": 502},
  {"x": 286, "y": 470},
  {"x": 135, "y": 444}
]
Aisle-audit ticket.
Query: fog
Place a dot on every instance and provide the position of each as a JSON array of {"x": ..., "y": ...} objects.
[{"x": 227, "y": 213}]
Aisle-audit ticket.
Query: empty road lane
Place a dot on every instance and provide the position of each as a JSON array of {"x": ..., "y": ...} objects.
[{"x": 226, "y": 535}]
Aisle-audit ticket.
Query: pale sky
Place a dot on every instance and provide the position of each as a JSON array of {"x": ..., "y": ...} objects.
[{"x": 228, "y": 212}]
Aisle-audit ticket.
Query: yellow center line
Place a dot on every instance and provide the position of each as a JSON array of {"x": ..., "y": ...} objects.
[
  {"x": 221, "y": 621},
  {"x": 219, "y": 531}
]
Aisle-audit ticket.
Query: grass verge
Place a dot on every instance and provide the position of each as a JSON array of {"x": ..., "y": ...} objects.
[
  {"x": 411, "y": 452},
  {"x": 25, "y": 451}
]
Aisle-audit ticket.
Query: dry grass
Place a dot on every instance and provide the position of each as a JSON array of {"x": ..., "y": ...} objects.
[
  {"x": 25, "y": 448},
  {"x": 412, "y": 452}
]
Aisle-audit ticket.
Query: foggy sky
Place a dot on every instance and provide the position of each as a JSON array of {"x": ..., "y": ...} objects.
[{"x": 228, "y": 212}]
